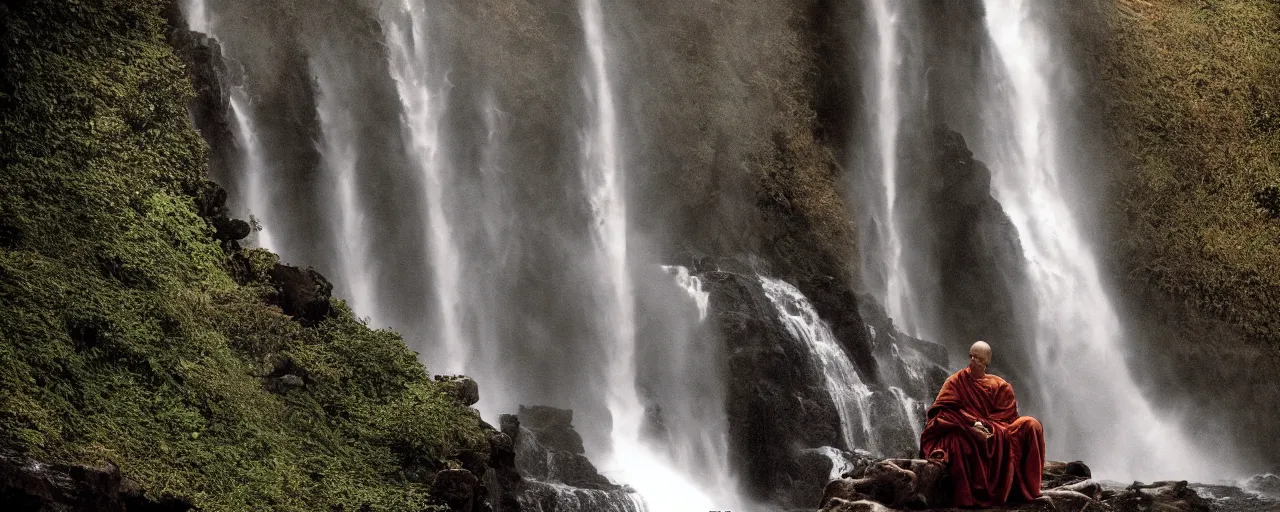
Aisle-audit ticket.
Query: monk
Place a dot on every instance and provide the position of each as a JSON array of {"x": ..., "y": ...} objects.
[{"x": 993, "y": 455}]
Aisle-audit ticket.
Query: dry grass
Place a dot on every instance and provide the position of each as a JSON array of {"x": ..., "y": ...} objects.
[{"x": 1197, "y": 106}]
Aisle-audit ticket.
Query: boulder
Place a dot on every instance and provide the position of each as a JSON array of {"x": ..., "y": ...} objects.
[
  {"x": 552, "y": 427},
  {"x": 897, "y": 483},
  {"x": 27, "y": 484},
  {"x": 540, "y": 464},
  {"x": 1267, "y": 484},
  {"x": 461, "y": 387},
  {"x": 1170, "y": 496},
  {"x": 302, "y": 294},
  {"x": 1057, "y": 474},
  {"x": 456, "y": 489}
]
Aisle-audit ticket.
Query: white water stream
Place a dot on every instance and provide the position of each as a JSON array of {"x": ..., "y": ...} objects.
[
  {"x": 1094, "y": 411},
  {"x": 851, "y": 396},
  {"x": 422, "y": 90},
  {"x": 631, "y": 461},
  {"x": 338, "y": 158},
  {"x": 886, "y": 111},
  {"x": 253, "y": 188}
]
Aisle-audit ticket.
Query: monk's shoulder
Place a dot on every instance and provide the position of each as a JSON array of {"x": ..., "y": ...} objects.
[{"x": 996, "y": 382}]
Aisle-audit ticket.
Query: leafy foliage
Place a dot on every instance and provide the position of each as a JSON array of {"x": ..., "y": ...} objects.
[{"x": 123, "y": 334}]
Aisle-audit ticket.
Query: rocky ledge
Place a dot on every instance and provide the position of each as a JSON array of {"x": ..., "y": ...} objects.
[
  {"x": 916, "y": 484},
  {"x": 557, "y": 476},
  {"x": 27, "y": 484}
]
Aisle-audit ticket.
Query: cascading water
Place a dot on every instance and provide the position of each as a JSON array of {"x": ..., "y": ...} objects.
[
  {"x": 694, "y": 415},
  {"x": 886, "y": 110},
  {"x": 691, "y": 285},
  {"x": 850, "y": 394},
  {"x": 910, "y": 407},
  {"x": 422, "y": 90},
  {"x": 253, "y": 166},
  {"x": 630, "y": 461},
  {"x": 338, "y": 156},
  {"x": 197, "y": 14},
  {"x": 1094, "y": 411}
]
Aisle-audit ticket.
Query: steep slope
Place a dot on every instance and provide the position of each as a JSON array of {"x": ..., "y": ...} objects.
[
  {"x": 135, "y": 330},
  {"x": 1198, "y": 106},
  {"x": 1194, "y": 105}
]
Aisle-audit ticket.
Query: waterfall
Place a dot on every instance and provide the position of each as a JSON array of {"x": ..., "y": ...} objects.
[
  {"x": 197, "y": 15},
  {"x": 1094, "y": 410},
  {"x": 851, "y": 396},
  {"x": 693, "y": 401},
  {"x": 631, "y": 461},
  {"x": 691, "y": 285},
  {"x": 422, "y": 96},
  {"x": 886, "y": 111},
  {"x": 911, "y": 408},
  {"x": 603, "y": 180},
  {"x": 338, "y": 156},
  {"x": 253, "y": 167}
]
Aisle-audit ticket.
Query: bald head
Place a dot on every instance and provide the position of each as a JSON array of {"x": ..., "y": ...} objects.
[{"x": 979, "y": 358}]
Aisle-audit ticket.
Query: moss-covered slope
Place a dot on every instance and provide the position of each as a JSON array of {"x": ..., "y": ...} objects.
[
  {"x": 128, "y": 333},
  {"x": 1196, "y": 90}
]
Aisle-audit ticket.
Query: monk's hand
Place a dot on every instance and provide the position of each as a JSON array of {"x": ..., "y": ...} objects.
[{"x": 982, "y": 429}]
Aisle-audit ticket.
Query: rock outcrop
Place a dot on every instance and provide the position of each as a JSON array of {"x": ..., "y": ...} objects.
[
  {"x": 545, "y": 468},
  {"x": 30, "y": 485},
  {"x": 784, "y": 427},
  {"x": 776, "y": 400},
  {"x": 302, "y": 293},
  {"x": 915, "y": 484}
]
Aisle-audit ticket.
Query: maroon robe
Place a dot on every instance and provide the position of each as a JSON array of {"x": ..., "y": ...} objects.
[{"x": 985, "y": 471}]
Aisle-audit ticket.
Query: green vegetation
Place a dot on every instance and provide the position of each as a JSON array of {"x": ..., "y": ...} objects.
[
  {"x": 1196, "y": 89},
  {"x": 128, "y": 334}
]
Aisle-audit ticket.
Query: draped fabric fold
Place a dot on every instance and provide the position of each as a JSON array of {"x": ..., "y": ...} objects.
[{"x": 985, "y": 470}]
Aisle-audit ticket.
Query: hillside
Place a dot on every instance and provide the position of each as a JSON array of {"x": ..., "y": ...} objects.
[
  {"x": 135, "y": 329},
  {"x": 1193, "y": 94}
]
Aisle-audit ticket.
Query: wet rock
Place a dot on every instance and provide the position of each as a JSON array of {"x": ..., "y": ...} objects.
[
  {"x": 230, "y": 230},
  {"x": 897, "y": 483},
  {"x": 546, "y": 497},
  {"x": 576, "y": 470},
  {"x": 464, "y": 388},
  {"x": 1067, "y": 500},
  {"x": 552, "y": 427},
  {"x": 843, "y": 505},
  {"x": 1171, "y": 496},
  {"x": 1088, "y": 488},
  {"x": 456, "y": 488},
  {"x": 776, "y": 401},
  {"x": 1057, "y": 474},
  {"x": 302, "y": 294},
  {"x": 540, "y": 465},
  {"x": 27, "y": 484},
  {"x": 1268, "y": 484},
  {"x": 503, "y": 481}
]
